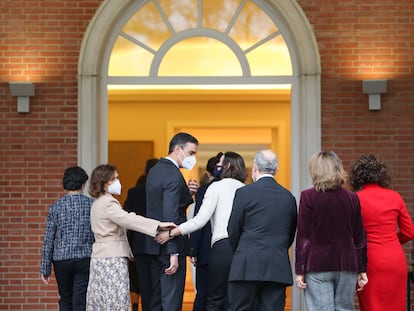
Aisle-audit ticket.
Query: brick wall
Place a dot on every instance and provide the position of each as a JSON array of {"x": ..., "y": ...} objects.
[
  {"x": 361, "y": 40},
  {"x": 40, "y": 42}
]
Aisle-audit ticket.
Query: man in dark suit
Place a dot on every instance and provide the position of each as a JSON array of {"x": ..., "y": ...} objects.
[
  {"x": 168, "y": 197},
  {"x": 261, "y": 229},
  {"x": 136, "y": 201}
]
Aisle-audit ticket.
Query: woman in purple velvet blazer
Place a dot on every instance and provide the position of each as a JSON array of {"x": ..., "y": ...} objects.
[{"x": 331, "y": 246}]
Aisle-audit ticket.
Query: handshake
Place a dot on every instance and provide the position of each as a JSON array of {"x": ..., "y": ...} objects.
[{"x": 166, "y": 232}]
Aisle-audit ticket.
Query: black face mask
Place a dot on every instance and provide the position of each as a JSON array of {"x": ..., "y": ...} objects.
[{"x": 217, "y": 171}]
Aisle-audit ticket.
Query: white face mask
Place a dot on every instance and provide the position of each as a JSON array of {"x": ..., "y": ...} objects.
[
  {"x": 188, "y": 162},
  {"x": 115, "y": 187}
]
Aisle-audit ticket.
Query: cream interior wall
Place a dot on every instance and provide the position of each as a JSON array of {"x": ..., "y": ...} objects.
[{"x": 241, "y": 121}]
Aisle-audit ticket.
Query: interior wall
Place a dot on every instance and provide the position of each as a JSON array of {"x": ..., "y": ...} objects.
[
  {"x": 237, "y": 121},
  {"x": 240, "y": 121},
  {"x": 130, "y": 157}
]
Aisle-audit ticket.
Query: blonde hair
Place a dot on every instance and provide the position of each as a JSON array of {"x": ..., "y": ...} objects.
[{"x": 326, "y": 171}]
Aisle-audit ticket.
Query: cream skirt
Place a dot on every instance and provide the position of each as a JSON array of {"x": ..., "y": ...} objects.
[{"x": 108, "y": 288}]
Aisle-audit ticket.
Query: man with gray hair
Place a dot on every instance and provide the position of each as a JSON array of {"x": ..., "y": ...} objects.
[{"x": 261, "y": 229}]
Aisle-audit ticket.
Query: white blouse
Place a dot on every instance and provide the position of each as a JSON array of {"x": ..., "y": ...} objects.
[{"x": 216, "y": 207}]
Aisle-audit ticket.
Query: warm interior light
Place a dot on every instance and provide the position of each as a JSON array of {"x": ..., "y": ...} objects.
[{"x": 201, "y": 87}]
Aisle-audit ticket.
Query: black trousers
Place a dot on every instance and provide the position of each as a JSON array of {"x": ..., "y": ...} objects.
[
  {"x": 144, "y": 280},
  {"x": 218, "y": 274},
  {"x": 200, "y": 301},
  {"x": 256, "y": 296},
  {"x": 72, "y": 278}
]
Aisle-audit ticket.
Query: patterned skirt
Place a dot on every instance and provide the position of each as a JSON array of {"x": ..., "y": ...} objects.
[{"x": 108, "y": 288}]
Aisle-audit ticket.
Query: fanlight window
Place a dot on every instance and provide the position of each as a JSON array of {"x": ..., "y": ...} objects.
[{"x": 200, "y": 38}]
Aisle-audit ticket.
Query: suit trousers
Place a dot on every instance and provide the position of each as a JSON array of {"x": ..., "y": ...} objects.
[
  {"x": 333, "y": 290},
  {"x": 257, "y": 296},
  {"x": 144, "y": 280},
  {"x": 218, "y": 274},
  {"x": 167, "y": 290},
  {"x": 72, "y": 277}
]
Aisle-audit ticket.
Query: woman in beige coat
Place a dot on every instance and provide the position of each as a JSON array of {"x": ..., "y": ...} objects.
[{"x": 108, "y": 287}]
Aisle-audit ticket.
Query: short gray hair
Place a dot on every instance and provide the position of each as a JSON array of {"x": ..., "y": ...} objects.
[{"x": 266, "y": 161}]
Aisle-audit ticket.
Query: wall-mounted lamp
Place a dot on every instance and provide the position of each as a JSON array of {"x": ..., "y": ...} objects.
[
  {"x": 374, "y": 88},
  {"x": 23, "y": 91}
]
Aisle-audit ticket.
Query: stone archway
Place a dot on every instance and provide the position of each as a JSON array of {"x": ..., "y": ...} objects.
[{"x": 305, "y": 103}]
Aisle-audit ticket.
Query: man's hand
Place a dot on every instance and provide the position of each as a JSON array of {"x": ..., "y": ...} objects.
[
  {"x": 165, "y": 236},
  {"x": 173, "y": 265},
  {"x": 162, "y": 237}
]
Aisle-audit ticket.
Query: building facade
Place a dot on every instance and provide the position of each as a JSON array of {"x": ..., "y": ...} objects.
[{"x": 58, "y": 46}]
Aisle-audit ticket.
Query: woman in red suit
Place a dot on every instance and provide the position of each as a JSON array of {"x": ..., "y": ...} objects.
[{"x": 388, "y": 225}]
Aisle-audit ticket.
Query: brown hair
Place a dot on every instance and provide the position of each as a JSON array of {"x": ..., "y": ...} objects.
[
  {"x": 369, "y": 170},
  {"x": 234, "y": 167},
  {"x": 100, "y": 176}
]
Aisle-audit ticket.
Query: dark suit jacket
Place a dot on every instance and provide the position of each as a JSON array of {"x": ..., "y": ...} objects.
[
  {"x": 168, "y": 197},
  {"x": 200, "y": 240},
  {"x": 261, "y": 229},
  {"x": 136, "y": 202}
]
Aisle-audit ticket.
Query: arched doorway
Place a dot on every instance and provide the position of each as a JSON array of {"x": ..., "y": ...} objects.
[{"x": 305, "y": 81}]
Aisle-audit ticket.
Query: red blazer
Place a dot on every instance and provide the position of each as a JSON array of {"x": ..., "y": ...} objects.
[{"x": 385, "y": 215}]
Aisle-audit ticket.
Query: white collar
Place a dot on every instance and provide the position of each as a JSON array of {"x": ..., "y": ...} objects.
[
  {"x": 173, "y": 161},
  {"x": 264, "y": 175}
]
